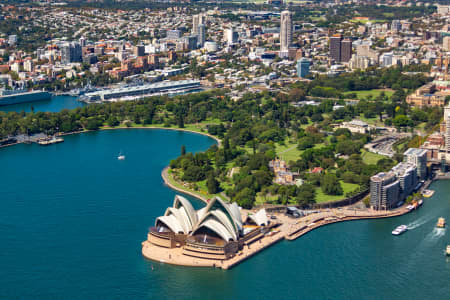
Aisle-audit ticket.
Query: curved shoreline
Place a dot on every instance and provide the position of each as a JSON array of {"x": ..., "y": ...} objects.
[
  {"x": 165, "y": 175},
  {"x": 219, "y": 142}
]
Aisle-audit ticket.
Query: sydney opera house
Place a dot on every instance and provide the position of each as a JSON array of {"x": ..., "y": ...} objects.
[{"x": 215, "y": 232}]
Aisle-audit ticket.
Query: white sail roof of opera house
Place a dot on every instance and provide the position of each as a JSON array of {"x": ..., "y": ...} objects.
[
  {"x": 221, "y": 218},
  {"x": 260, "y": 218}
]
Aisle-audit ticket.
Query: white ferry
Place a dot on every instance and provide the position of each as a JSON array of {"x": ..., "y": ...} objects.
[{"x": 399, "y": 230}]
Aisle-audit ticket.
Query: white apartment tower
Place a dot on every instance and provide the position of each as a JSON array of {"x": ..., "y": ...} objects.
[
  {"x": 196, "y": 21},
  {"x": 285, "y": 33}
]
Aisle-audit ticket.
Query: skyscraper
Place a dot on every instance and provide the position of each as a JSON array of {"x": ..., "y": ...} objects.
[
  {"x": 201, "y": 34},
  {"x": 346, "y": 50},
  {"x": 285, "y": 33},
  {"x": 335, "y": 47}
]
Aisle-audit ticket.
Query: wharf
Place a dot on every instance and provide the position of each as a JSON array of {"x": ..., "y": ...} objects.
[
  {"x": 307, "y": 224},
  {"x": 49, "y": 141}
]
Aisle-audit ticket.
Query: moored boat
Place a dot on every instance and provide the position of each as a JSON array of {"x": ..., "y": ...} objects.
[
  {"x": 428, "y": 193},
  {"x": 448, "y": 250}
]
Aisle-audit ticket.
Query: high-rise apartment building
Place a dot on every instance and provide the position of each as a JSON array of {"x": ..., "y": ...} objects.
[
  {"x": 197, "y": 20},
  {"x": 285, "y": 33},
  {"x": 407, "y": 176},
  {"x": 418, "y": 157},
  {"x": 195, "y": 23},
  {"x": 201, "y": 34},
  {"x": 387, "y": 189},
  {"x": 340, "y": 49},
  {"x": 231, "y": 36},
  {"x": 139, "y": 50},
  {"x": 335, "y": 47},
  {"x": 71, "y": 52},
  {"x": 384, "y": 190},
  {"x": 346, "y": 50}
]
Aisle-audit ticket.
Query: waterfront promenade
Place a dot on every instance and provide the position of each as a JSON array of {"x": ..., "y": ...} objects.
[{"x": 289, "y": 229}]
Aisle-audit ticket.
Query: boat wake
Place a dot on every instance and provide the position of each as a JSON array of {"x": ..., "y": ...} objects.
[
  {"x": 434, "y": 235},
  {"x": 438, "y": 232},
  {"x": 419, "y": 222}
]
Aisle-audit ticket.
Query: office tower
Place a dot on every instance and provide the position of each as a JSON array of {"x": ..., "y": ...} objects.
[
  {"x": 201, "y": 34},
  {"x": 346, "y": 50},
  {"x": 285, "y": 33},
  {"x": 418, "y": 157},
  {"x": 335, "y": 47},
  {"x": 303, "y": 67}
]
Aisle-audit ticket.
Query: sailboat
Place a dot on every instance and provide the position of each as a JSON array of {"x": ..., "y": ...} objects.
[{"x": 121, "y": 156}]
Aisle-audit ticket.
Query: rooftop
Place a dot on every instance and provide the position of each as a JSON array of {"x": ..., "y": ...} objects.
[{"x": 415, "y": 151}]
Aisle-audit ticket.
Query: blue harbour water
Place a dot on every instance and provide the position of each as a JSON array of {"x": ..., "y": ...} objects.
[
  {"x": 72, "y": 219},
  {"x": 55, "y": 104}
]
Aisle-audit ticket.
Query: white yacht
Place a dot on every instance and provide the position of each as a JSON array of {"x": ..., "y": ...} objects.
[{"x": 399, "y": 230}]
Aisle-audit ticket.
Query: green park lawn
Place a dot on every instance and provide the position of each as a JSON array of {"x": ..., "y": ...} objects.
[
  {"x": 371, "y": 158},
  {"x": 346, "y": 187},
  {"x": 361, "y": 95},
  {"x": 289, "y": 152}
]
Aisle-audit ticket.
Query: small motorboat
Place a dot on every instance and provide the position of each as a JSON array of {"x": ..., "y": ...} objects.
[
  {"x": 447, "y": 252},
  {"x": 440, "y": 223},
  {"x": 399, "y": 230}
]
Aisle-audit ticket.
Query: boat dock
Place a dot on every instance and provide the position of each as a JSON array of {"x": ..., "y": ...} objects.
[{"x": 49, "y": 140}]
